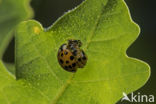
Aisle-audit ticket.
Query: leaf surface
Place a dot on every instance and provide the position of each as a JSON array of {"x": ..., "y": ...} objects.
[{"x": 106, "y": 31}]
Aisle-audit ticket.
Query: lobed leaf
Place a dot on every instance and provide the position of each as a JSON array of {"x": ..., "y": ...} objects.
[
  {"x": 11, "y": 13},
  {"x": 106, "y": 31}
]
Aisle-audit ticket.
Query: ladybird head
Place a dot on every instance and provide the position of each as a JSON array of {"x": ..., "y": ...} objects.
[{"x": 75, "y": 42}]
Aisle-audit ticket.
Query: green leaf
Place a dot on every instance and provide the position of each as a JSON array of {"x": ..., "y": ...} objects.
[
  {"x": 10, "y": 67},
  {"x": 106, "y": 31},
  {"x": 11, "y": 13},
  {"x": 18, "y": 91}
]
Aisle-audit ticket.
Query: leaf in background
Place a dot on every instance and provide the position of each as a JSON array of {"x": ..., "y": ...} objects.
[
  {"x": 106, "y": 31},
  {"x": 10, "y": 67},
  {"x": 11, "y": 13}
]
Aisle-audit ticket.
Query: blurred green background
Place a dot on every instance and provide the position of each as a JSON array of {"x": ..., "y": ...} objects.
[{"x": 143, "y": 13}]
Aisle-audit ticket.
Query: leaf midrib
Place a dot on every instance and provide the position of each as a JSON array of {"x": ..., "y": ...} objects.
[
  {"x": 94, "y": 28},
  {"x": 69, "y": 81},
  {"x": 62, "y": 89}
]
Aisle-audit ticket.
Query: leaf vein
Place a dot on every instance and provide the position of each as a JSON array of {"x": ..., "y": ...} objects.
[
  {"x": 108, "y": 79},
  {"x": 51, "y": 71}
]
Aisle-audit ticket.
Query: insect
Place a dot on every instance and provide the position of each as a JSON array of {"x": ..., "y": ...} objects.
[{"x": 71, "y": 57}]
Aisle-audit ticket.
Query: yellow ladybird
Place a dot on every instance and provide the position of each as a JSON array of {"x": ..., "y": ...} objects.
[{"x": 71, "y": 57}]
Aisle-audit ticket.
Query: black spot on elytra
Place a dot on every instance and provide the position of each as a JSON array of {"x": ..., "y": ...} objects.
[
  {"x": 79, "y": 59},
  {"x": 70, "y": 66},
  {"x": 61, "y": 61},
  {"x": 66, "y": 67},
  {"x": 74, "y": 64},
  {"x": 61, "y": 54},
  {"x": 67, "y": 62},
  {"x": 71, "y": 57},
  {"x": 65, "y": 52}
]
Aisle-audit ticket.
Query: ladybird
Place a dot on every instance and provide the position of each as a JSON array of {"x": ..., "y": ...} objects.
[{"x": 71, "y": 57}]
